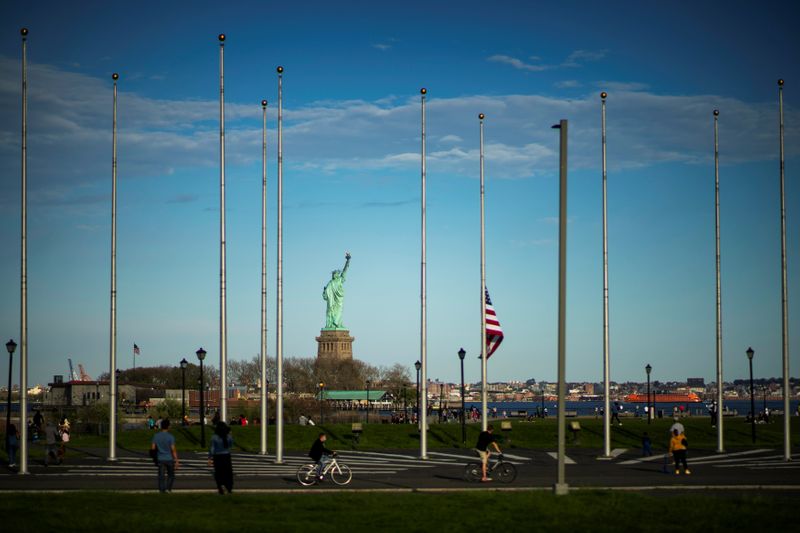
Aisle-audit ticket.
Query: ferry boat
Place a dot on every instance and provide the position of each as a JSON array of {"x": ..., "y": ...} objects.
[{"x": 664, "y": 397}]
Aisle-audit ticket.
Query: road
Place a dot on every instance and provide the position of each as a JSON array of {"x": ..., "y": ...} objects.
[{"x": 402, "y": 469}]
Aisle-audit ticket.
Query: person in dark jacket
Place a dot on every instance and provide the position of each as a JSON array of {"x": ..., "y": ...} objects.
[
  {"x": 219, "y": 454},
  {"x": 319, "y": 453}
]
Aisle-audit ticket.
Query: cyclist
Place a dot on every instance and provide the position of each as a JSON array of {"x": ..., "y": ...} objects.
[
  {"x": 485, "y": 439},
  {"x": 320, "y": 454}
]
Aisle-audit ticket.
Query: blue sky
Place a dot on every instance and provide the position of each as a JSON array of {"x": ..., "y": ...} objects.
[{"x": 351, "y": 179}]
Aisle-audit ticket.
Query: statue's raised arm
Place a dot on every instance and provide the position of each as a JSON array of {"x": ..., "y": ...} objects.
[{"x": 346, "y": 264}]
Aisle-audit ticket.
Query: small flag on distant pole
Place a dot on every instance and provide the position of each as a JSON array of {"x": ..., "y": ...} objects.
[
  {"x": 494, "y": 333},
  {"x": 137, "y": 352}
]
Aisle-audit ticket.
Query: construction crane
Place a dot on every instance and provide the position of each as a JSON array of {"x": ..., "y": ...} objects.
[
  {"x": 84, "y": 375},
  {"x": 72, "y": 375}
]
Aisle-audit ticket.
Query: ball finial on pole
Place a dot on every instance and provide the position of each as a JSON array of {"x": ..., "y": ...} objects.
[
  {"x": 423, "y": 91},
  {"x": 280, "y": 70},
  {"x": 115, "y": 76},
  {"x": 603, "y": 95},
  {"x": 221, "y": 37},
  {"x": 780, "y": 81},
  {"x": 481, "y": 116},
  {"x": 716, "y": 112},
  {"x": 263, "y": 103},
  {"x": 24, "y": 32}
]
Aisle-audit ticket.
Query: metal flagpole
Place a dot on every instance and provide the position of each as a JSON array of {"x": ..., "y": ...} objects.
[
  {"x": 606, "y": 349},
  {"x": 279, "y": 294},
  {"x": 23, "y": 316},
  {"x": 561, "y": 487},
  {"x": 484, "y": 392},
  {"x": 787, "y": 446},
  {"x": 423, "y": 410},
  {"x": 264, "y": 397},
  {"x": 223, "y": 309},
  {"x": 720, "y": 437},
  {"x": 112, "y": 418}
]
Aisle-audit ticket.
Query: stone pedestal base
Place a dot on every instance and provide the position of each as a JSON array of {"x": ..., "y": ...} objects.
[{"x": 335, "y": 344}]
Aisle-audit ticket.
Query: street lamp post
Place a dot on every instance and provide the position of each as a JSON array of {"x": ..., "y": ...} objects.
[
  {"x": 461, "y": 354},
  {"x": 10, "y": 346},
  {"x": 750, "y": 353},
  {"x": 117, "y": 400},
  {"x": 184, "y": 363},
  {"x": 321, "y": 391},
  {"x": 418, "y": 365},
  {"x": 405, "y": 405},
  {"x": 765, "y": 401},
  {"x": 647, "y": 369},
  {"x": 201, "y": 354},
  {"x": 368, "y": 384},
  {"x": 541, "y": 386}
]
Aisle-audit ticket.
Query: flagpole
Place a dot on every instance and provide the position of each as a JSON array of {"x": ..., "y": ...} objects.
[
  {"x": 279, "y": 292},
  {"x": 720, "y": 434},
  {"x": 134, "y": 361},
  {"x": 484, "y": 392},
  {"x": 223, "y": 310},
  {"x": 787, "y": 445},
  {"x": 561, "y": 487},
  {"x": 23, "y": 319},
  {"x": 606, "y": 350},
  {"x": 112, "y": 418},
  {"x": 264, "y": 398},
  {"x": 423, "y": 411}
]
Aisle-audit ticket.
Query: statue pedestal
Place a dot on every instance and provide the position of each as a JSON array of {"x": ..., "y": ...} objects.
[{"x": 335, "y": 344}]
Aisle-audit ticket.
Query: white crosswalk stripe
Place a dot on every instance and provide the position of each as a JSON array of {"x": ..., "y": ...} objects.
[
  {"x": 364, "y": 463},
  {"x": 758, "y": 459}
]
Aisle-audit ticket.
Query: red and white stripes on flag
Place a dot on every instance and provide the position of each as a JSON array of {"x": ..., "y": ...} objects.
[
  {"x": 494, "y": 333},
  {"x": 136, "y": 350}
]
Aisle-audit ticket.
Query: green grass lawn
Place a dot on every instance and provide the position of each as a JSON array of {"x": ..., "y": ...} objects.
[
  {"x": 541, "y": 434},
  {"x": 406, "y": 512}
]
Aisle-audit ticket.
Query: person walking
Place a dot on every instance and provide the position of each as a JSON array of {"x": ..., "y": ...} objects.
[
  {"x": 647, "y": 444},
  {"x": 678, "y": 446},
  {"x": 167, "y": 456},
  {"x": 51, "y": 443},
  {"x": 219, "y": 455},
  {"x": 12, "y": 445},
  {"x": 615, "y": 413}
]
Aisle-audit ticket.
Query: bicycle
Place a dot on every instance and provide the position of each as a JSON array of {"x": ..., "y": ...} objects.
[
  {"x": 340, "y": 473},
  {"x": 501, "y": 470}
]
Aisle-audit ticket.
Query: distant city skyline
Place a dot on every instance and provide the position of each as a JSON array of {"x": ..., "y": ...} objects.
[{"x": 351, "y": 152}]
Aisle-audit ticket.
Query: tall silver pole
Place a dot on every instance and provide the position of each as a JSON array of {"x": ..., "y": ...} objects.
[
  {"x": 423, "y": 410},
  {"x": 720, "y": 434},
  {"x": 223, "y": 308},
  {"x": 561, "y": 487},
  {"x": 484, "y": 391},
  {"x": 264, "y": 397},
  {"x": 23, "y": 315},
  {"x": 606, "y": 350},
  {"x": 112, "y": 418},
  {"x": 787, "y": 449},
  {"x": 279, "y": 295}
]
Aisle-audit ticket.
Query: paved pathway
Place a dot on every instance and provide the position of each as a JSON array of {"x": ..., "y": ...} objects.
[{"x": 402, "y": 469}]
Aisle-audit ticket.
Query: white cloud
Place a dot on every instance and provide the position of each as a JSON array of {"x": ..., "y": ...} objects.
[
  {"x": 517, "y": 63},
  {"x": 382, "y": 46},
  {"x": 567, "y": 84},
  {"x": 578, "y": 57},
  {"x": 70, "y": 138}
]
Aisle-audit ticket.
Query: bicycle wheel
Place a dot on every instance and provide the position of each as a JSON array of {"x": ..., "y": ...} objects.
[
  {"x": 307, "y": 475},
  {"x": 473, "y": 472},
  {"x": 506, "y": 472},
  {"x": 341, "y": 474}
]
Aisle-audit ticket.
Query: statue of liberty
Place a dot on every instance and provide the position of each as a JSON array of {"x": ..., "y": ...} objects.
[{"x": 333, "y": 294}]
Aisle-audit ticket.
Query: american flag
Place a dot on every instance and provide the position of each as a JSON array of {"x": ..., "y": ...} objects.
[
  {"x": 494, "y": 333},
  {"x": 136, "y": 350}
]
